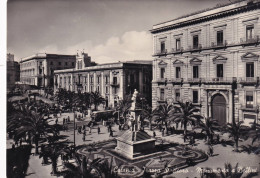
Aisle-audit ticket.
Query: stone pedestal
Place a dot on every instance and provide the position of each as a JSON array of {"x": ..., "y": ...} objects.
[{"x": 133, "y": 144}]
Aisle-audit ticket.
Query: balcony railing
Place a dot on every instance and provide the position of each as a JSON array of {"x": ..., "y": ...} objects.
[
  {"x": 176, "y": 80},
  {"x": 177, "y": 50},
  {"x": 218, "y": 44},
  {"x": 161, "y": 52},
  {"x": 249, "y": 80},
  {"x": 194, "y": 47},
  {"x": 194, "y": 80},
  {"x": 250, "y": 107},
  {"x": 254, "y": 39},
  {"x": 114, "y": 84}
]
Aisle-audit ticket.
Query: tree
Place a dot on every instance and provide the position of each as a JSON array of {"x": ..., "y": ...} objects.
[
  {"x": 236, "y": 130},
  {"x": 209, "y": 126},
  {"x": 255, "y": 132},
  {"x": 186, "y": 113},
  {"x": 164, "y": 114},
  {"x": 122, "y": 109},
  {"x": 84, "y": 168},
  {"x": 86, "y": 99},
  {"x": 25, "y": 122},
  {"x": 96, "y": 99},
  {"x": 147, "y": 115}
]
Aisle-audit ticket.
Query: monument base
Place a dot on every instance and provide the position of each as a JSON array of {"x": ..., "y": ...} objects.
[{"x": 134, "y": 144}]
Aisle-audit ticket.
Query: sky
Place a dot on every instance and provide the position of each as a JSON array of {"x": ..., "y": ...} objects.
[{"x": 108, "y": 30}]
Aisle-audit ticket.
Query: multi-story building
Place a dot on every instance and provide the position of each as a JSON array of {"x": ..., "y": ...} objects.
[
  {"x": 112, "y": 80},
  {"x": 13, "y": 71},
  {"x": 211, "y": 58},
  {"x": 39, "y": 69}
]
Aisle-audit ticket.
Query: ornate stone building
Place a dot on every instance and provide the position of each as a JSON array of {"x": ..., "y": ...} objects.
[
  {"x": 212, "y": 59},
  {"x": 39, "y": 69},
  {"x": 112, "y": 80}
]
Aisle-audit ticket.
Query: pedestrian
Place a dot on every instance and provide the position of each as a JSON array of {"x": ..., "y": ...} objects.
[
  {"x": 119, "y": 127},
  {"x": 111, "y": 133},
  {"x": 210, "y": 152},
  {"x": 154, "y": 134},
  {"x": 63, "y": 121},
  {"x": 21, "y": 141},
  {"x": 13, "y": 146},
  {"x": 98, "y": 130},
  {"x": 90, "y": 130},
  {"x": 83, "y": 127},
  {"x": 163, "y": 132},
  {"x": 16, "y": 142},
  {"x": 160, "y": 128},
  {"x": 68, "y": 118},
  {"x": 84, "y": 137},
  {"x": 56, "y": 122},
  {"x": 108, "y": 129},
  {"x": 185, "y": 137},
  {"x": 76, "y": 127},
  {"x": 218, "y": 138}
]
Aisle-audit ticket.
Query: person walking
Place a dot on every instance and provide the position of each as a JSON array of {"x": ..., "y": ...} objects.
[
  {"x": 56, "y": 121},
  {"x": 68, "y": 118},
  {"x": 154, "y": 134},
  {"x": 98, "y": 130}
]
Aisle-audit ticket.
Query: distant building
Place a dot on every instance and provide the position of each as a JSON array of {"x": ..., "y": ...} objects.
[
  {"x": 112, "y": 80},
  {"x": 39, "y": 69},
  {"x": 13, "y": 71},
  {"x": 211, "y": 58}
]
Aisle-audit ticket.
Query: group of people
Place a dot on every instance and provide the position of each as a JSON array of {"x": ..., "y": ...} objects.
[{"x": 83, "y": 130}]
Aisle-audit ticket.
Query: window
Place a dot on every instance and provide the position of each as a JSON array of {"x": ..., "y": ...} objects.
[
  {"x": 178, "y": 44},
  {"x": 106, "y": 89},
  {"x": 106, "y": 79},
  {"x": 178, "y": 72},
  {"x": 85, "y": 78},
  {"x": 65, "y": 80},
  {"x": 195, "y": 96},
  {"x": 91, "y": 79},
  {"x": 249, "y": 99},
  {"x": 98, "y": 79},
  {"x": 162, "y": 94},
  {"x": 114, "y": 80},
  {"x": 72, "y": 64},
  {"x": 177, "y": 94},
  {"x": 91, "y": 88},
  {"x": 220, "y": 70},
  {"x": 69, "y": 80},
  {"x": 59, "y": 63},
  {"x": 98, "y": 88},
  {"x": 220, "y": 37},
  {"x": 195, "y": 41},
  {"x": 163, "y": 46},
  {"x": 195, "y": 71},
  {"x": 249, "y": 69},
  {"x": 51, "y": 63},
  {"x": 162, "y": 72},
  {"x": 249, "y": 32},
  {"x": 60, "y": 81},
  {"x": 66, "y": 63}
]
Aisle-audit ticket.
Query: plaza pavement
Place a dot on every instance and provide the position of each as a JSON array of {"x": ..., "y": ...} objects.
[{"x": 221, "y": 156}]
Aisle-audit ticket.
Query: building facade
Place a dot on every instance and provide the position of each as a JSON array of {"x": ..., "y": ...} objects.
[
  {"x": 39, "y": 69},
  {"x": 113, "y": 80},
  {"x": 211, "y": 58},
  {"x": 13, "y": 71}
]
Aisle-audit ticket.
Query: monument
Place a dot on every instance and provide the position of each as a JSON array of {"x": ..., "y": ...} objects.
[{"x": 135, "y": 142}]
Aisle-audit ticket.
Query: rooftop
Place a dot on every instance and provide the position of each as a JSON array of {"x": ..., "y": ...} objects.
[
  {"x": 44, "y": 56},
  {"x": 114, "y": 65},
  {"x": 210, "y": 12}
]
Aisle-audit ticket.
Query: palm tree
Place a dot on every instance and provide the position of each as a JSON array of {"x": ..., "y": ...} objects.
[
  {"x": 83, "y": 169},
  {"x": 186, "y": 113},
  {"x": 209, "y": 126},
  {"x": 255, "y": 132},
  {"x": 86, "y": 99},
  {"x": 122, "y": 109},
  {"x": 96, "y": 99},
  {"x": 163, "y": 115},
  {"x": 147, "y": 115},
  {"x": 236, "y": 130},
  {"x": 25, "y": 122}
]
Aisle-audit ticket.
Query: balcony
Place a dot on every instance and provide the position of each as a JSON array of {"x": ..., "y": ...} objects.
[
  {"x": 249, "y": 81},
  {"x": 176, "y": 80},
  {"x": 194, "y": 80},
  {"x": 162, "y": 81},
  {"x": 221, "y": 80},
  {"x": 114, "y": 84},
  {"x": 195, "y": 48},
  {"x": 218, "y": 45},
  {"x": 250, "y": 108},
  {"x": 161, "y": 53},
  {"x": 250, "y": 41},
  {"x": 176, "y": 51}
]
